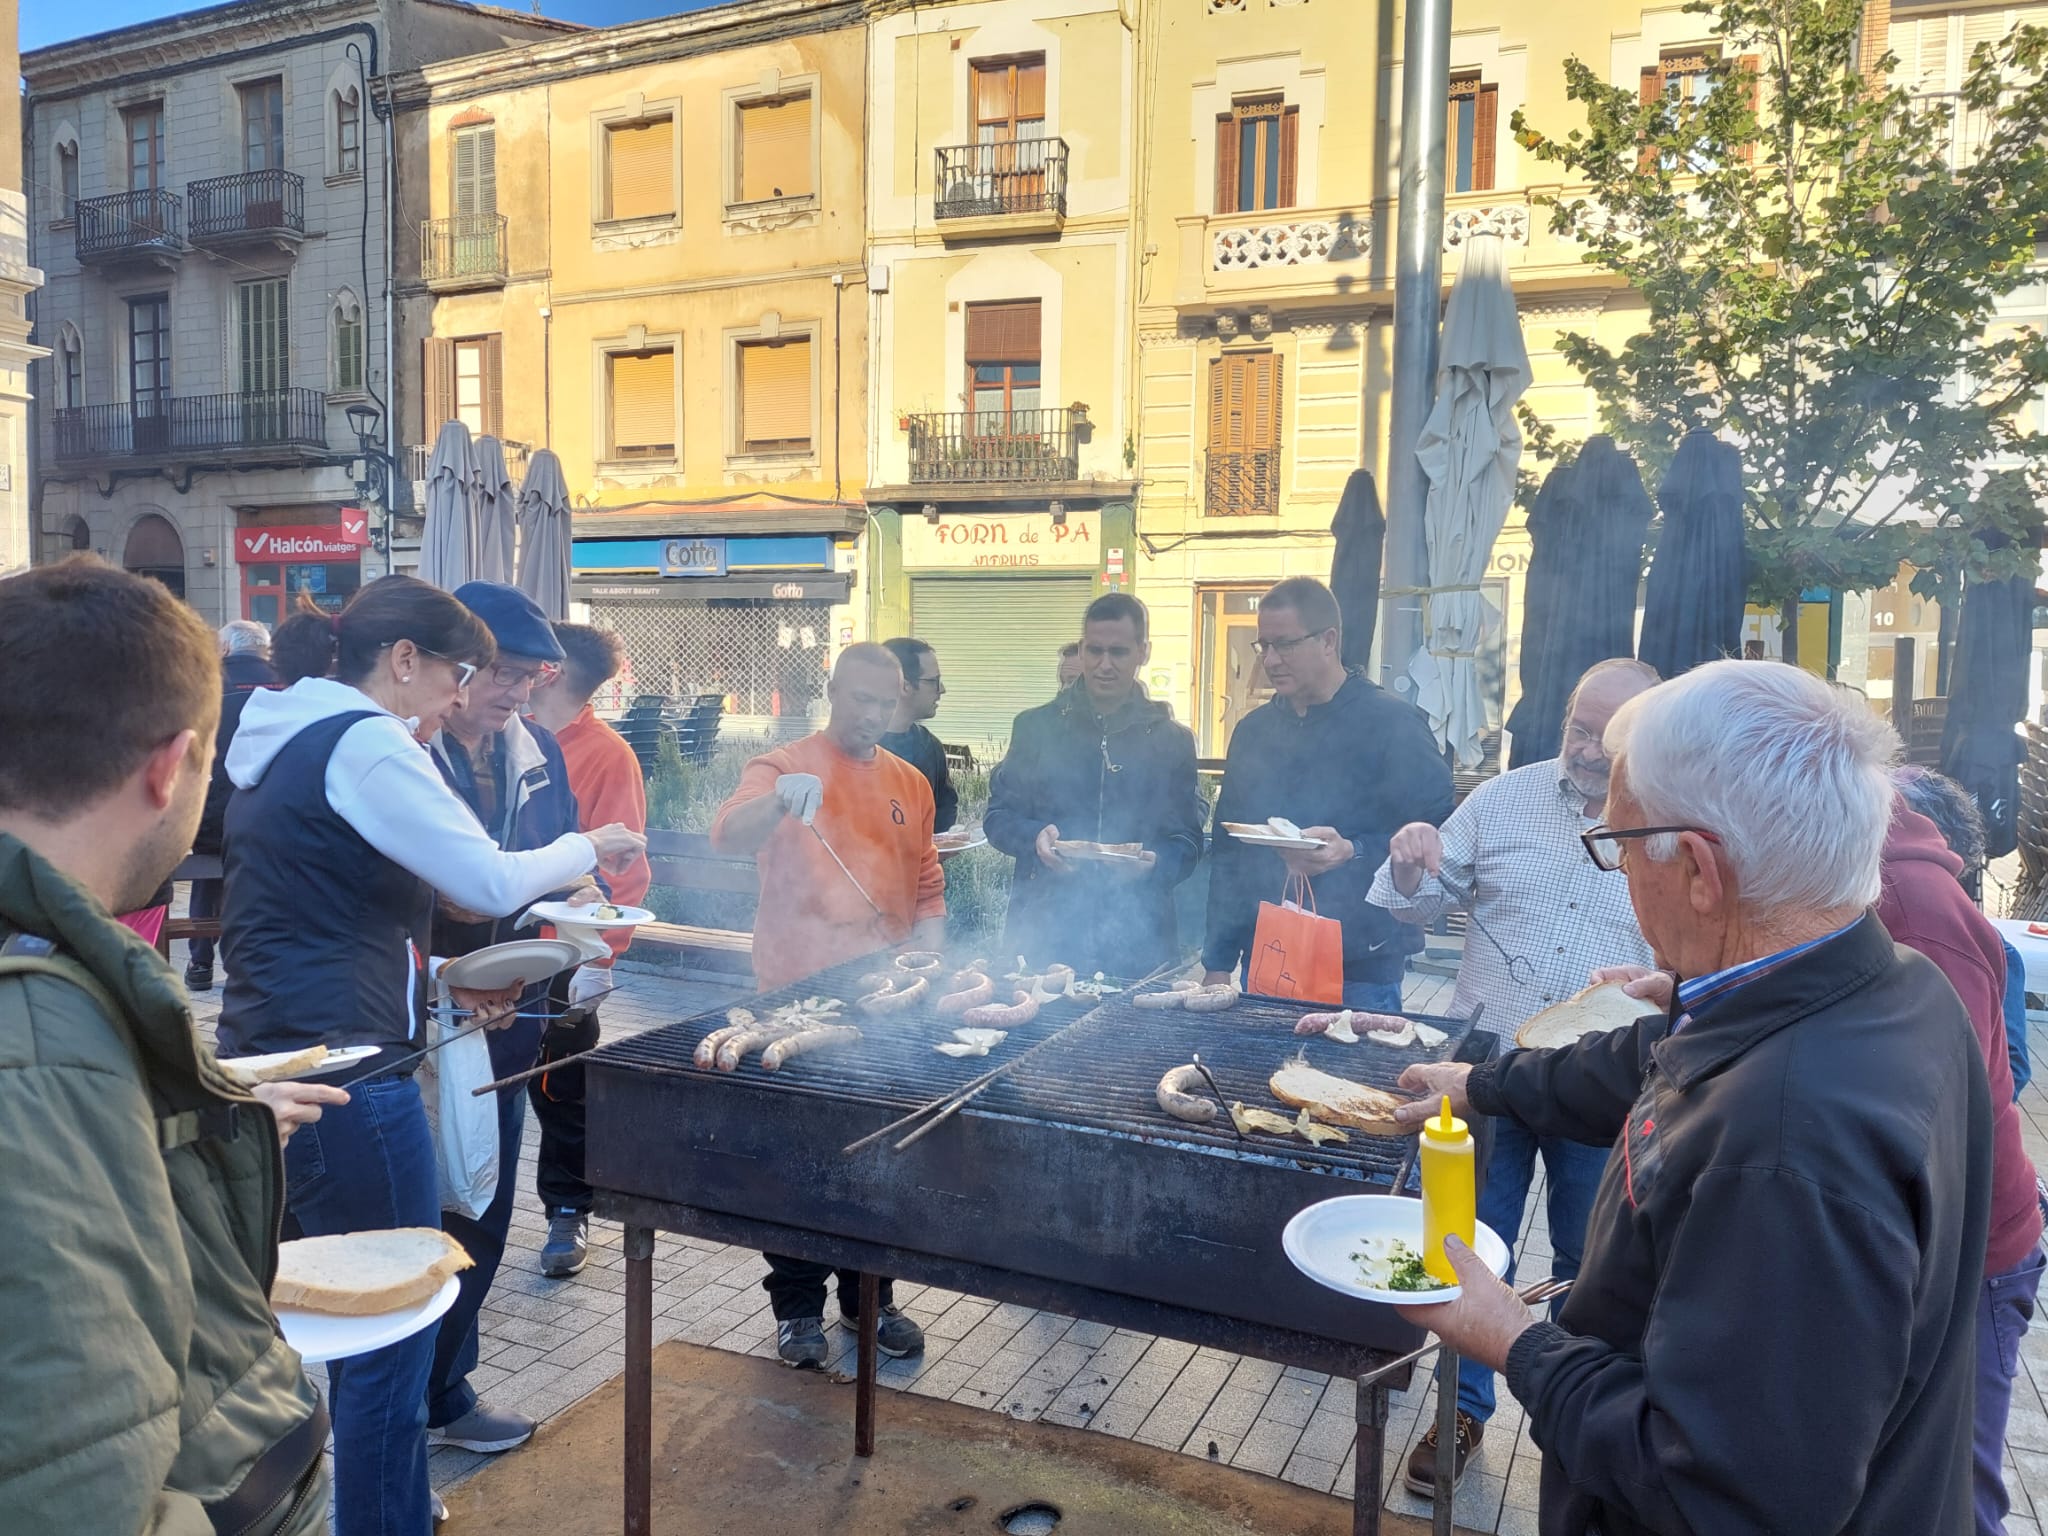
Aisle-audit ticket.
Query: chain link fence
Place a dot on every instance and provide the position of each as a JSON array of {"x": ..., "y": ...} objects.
[{"x": 767, "y": 660}]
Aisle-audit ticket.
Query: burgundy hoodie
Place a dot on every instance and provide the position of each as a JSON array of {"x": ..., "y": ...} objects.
[{"x": 1926, "y": 909}]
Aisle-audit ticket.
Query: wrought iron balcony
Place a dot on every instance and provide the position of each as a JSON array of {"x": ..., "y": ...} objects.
[
  {"x": 255, "y": 206},
  {"x": 1243, "y": 483},
  {"x": 466, "y": 252},
  {"x": 131, "y": 226},
  {"x": 993, "y": 447},
  {"x": 1010, "y": 177},
  {"x": 262, "y": 421}
]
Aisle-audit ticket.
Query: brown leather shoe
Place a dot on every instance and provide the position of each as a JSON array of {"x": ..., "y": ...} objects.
[{"x": 1421, "y": 1478}]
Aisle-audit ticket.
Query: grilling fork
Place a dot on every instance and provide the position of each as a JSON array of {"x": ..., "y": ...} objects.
[{"x": 1535, "y": 1295}]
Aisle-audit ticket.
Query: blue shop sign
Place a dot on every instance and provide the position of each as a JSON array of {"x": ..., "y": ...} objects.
[{"x": 693, "y": 557}]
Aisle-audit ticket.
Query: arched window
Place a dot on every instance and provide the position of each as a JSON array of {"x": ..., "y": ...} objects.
[
  {"x": 77, "y": 536},
  {"x": 347, "y": 325},
  {"x": 155, "y": 550},
  {"x": 67, "y": 178},
  {"x": 348, "y": 132},
  {"x": 68, "y": 366}
]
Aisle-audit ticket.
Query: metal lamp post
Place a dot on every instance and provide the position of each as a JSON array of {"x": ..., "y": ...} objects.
[{"x": 376, "y": 475}]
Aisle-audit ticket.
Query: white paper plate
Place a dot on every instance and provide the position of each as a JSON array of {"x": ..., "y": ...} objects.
[
  {"x": 346, "y": 1056},
  {"x": 562, "y": 915},
  {"x": 1320, "y": 1240},
  {"x": 1275, "y": 840},
  {"x": 1097, "y": 856},
  {"x": 323, "y": 1336},
  {"x": 947, "y": 848},
  {"x": 523, "y": 961}
]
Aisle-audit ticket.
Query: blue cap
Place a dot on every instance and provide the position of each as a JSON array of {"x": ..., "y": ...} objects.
[{"x": 514, "y": 619}]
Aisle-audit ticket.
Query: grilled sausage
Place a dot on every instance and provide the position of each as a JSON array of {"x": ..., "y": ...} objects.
[
  {"x": 1319, "y": 1023},
  {"x": 975, "y": 989},
  {"x": 1379, "y": 1023},
  {"x": 1003, "y": 1015},
  {"x": 806, "y": 1040},
  {"x": 1177, "y": 1096},
  {"x": 707, "y": 1048},
  {"x": 1175, "y": 996},
  {"x": 918, "y": 961},
  {"x": 1210, "y": 999},
  {"x": 894, "y": 999},
  {"x": 733, "y": 1050},
  {"x": 1058, "y": 978}
]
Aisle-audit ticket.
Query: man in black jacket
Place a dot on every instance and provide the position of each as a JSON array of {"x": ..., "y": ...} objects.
[
  {"x": 244, "y": 668},
  {"x": 907, "y": 736},
  {"x": 1101, "y": 763},
  {"x": 1343, "y": 760},
  {"x": 1774, "y": 1327}
]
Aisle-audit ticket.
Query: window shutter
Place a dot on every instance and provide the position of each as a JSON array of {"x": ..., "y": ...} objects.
[
  {"x": 1650, "y": 92},
  {"x": 1031, "y": 91},
  {"x": 494, "y": 385},
  {"x": 465, "y": 175},
  {"x": 994, "y": 101},
  {"x": 775, "y": 395},
  {"x": 1290, "y": 144},
  {"x": 1226, "y": 162},
  {"x": 643, "y": 404},
  {"x": 640, "y": 169},
  {"x": 1748, "y": 73},
  {"x": 1219, "y": 403},
  {"x": 1485, "y": 130},
  {"x": 487, "y": 172},
  {"x": 1262, "y": 401},
  {"x": 775, "y": 149},
  {"x": 1003, "y": 333},
  {"x": 437, "y": 380}
]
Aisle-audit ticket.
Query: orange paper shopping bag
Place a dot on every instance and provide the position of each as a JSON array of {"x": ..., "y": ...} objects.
[{"x": 1295, "y": 952}]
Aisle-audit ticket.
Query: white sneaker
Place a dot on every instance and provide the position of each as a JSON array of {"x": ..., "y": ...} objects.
[{"x": 440, "y": 1509}]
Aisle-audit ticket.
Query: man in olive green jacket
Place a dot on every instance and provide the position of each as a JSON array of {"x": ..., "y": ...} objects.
[{"x": 143, "y": 1385}]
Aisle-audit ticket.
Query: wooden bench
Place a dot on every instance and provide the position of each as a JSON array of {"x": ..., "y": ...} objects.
[
  {"x": 686, "y": 861},
  {"x": 197, "y": 866}
]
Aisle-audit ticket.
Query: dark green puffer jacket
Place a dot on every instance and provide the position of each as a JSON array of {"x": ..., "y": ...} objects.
[{"x": 141, "y": 1374}]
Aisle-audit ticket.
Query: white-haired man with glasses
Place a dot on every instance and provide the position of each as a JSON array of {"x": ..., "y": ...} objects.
[{"x": 1774, "y": 1327}]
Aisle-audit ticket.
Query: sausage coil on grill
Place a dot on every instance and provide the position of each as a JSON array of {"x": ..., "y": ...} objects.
[
  {"x": 806, "y": 1040},
  {"x": 1175, "y": 996},
  {"x": 1177, "y": 1096},
  {"x": 894, "y": 999},
  {"x": 918, "y": 961},
  {"x": 975, "y": 990},
  {"x": 1210, "y": 999},
  {"x": 1003, "y": 1015},
  {"x": 707, "y": 1048}
]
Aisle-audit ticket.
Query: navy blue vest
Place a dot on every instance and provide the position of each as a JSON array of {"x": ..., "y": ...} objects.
[{"x": 324, "y": 938}]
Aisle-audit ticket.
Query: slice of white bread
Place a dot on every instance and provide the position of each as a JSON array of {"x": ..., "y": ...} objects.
[
  {"x": 1337, "y": 1100},
  {"x": 355, "y": 1274},
  {"x": 277, "y": 1067},
  {"x": 1594, "y": 1011}
]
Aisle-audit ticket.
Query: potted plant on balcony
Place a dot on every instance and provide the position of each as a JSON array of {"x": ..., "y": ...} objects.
[{"x": 1079, "y": 412}]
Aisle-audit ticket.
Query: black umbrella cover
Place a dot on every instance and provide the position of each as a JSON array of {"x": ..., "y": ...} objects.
[
  {"x": 1579, "y": 598},
  {"x": 1692, "y": 605},
  {"x": 1980, "y": 749},
  {"x": 1361, "y": 532}
]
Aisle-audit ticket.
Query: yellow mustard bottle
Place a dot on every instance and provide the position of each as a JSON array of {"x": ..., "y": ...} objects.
[{"x": 1449, "y": 1190}]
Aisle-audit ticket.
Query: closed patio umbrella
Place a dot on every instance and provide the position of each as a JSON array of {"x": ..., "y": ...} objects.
[
  {"x": 1361, "y": 531},
  {"x": 495, "y": 512},
  {"x": 544, "y": 535},
  {"x": 1468, "y": 450},
  {"x": 1579, "y": 606},
  {"x": 1692, "y": 603},
  {"x": 1980, "y": 748},
  {"x": 448, "y": 542}
]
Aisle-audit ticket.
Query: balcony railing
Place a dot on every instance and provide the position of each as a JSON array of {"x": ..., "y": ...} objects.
[
  {"x": 1243, "y": 483},
  {"x": 182, "y": 426},
  {"x": 419, "y": 457},
  {"x": 255, "y": 205},
  {"x": 984, "y": 447},
  {"x": 982, "y": 181},
  {"x": 464, "y": 252},
  {"x": 145, "y": 223}
]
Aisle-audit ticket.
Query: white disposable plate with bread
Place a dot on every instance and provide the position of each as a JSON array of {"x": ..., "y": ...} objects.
[
  {"x": 287, "y": 1066},
  {"x": 349, "y": 1293},
  {"x": 1337, "y": 1100},
  {"x": 1594, "y": 1011},
  {"x": 1275, "y": 832},
  {"x": 1098, "y": 853},
  {"x": 1331, "y": 1242}
]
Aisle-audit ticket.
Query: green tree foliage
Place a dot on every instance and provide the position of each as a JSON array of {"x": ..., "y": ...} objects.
[{"x": 1820, "y": 269}]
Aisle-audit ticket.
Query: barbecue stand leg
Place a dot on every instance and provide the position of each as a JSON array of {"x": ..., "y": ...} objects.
[
  {"x": 1446, "y": 1439},
  {"x": 639, "y": 1380},
  {"x": 1366, "y": 1489},
  {"x": 864, "y": 1370}
]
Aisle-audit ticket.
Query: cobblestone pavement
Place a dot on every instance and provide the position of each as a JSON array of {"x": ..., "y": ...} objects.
[{"x": 546, "y": 1343}]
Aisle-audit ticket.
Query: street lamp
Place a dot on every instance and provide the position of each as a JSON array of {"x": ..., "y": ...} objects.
[{"x": 375, "y": 479}]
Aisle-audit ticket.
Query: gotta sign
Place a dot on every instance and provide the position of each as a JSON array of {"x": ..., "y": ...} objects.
[
  {"x": 1017, "y": 541},
  {"x": 321, "y": 542},
  {"x": 693, "y": 557}
]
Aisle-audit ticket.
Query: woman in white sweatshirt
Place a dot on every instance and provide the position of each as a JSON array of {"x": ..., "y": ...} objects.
[{"x": 338, "y": 835}]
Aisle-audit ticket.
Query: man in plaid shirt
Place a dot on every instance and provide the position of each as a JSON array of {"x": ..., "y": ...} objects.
[{"x": 1511, "y": 856}]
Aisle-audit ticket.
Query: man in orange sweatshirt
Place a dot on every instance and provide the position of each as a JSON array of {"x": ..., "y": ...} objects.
[
  {"x": 604, "y": 776},
  {"x": 836, "y": 787}
]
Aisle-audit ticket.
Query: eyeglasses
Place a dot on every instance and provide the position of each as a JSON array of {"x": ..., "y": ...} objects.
[
  {"x": 1285, "y": 647},
  {"x": 539, "y": 675},
  {"x": 1603, "y": 844},
  {"x": 464, "y": 670}
]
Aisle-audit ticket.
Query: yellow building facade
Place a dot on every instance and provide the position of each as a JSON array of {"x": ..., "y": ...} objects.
[
  {"x": 1002, "y": 156},
  {"x": 644, "y": 248}
]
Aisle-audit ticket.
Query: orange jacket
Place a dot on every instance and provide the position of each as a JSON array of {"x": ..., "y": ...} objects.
[
  {"x": 604, "y": 776},
  {"x": 877, "y": 815}
]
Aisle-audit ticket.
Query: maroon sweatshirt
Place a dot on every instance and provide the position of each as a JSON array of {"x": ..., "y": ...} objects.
[{"x": 1926, "y": 909}]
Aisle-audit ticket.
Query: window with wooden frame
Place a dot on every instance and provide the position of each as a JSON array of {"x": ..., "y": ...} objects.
[
  {"x": 1472, "y": 132},
  {"x": 1244, "y": 435},
  {"x": 475, "y": 166},
  {"x": 346, "y": 323},
  {"x": 142, "y": 131},
  {"x": 772, "y": 155},
  {"x": 262, "y": 103},
  {"x": 1257, "y": 142},
  {"x": 640, "y": 404},
  {"x": 348, "y": 132},
  {"x": 774, "y": 381},
  {"x": 1686, "y": 77},
  {"x": 69, "y": 367},
  {"x": 462, "y": 379},
  {"x": 1003, "y": 363},
  {"x": 640, "y": 169},
  {"x": 1009, "y": 99}
]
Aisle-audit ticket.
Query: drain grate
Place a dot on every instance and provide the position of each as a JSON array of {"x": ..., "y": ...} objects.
[{"x": 1030, "y": 1520}]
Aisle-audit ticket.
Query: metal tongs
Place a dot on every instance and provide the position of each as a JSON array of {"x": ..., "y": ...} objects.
[{"x": 1535, "y": 1295}]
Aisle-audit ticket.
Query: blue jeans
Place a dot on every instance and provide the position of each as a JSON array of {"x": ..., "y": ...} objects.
[
  {"x": 1373, "y": 996},
  {"x": 370, "y": 1164},
  {"x": 448, "y": 1394},
  {"x": 1573, "y": 1170},
  {"x": 2004, "y": 1309}
]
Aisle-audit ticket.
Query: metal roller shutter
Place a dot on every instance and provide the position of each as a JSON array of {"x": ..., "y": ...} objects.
[{"x": 998, "y": 641}]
